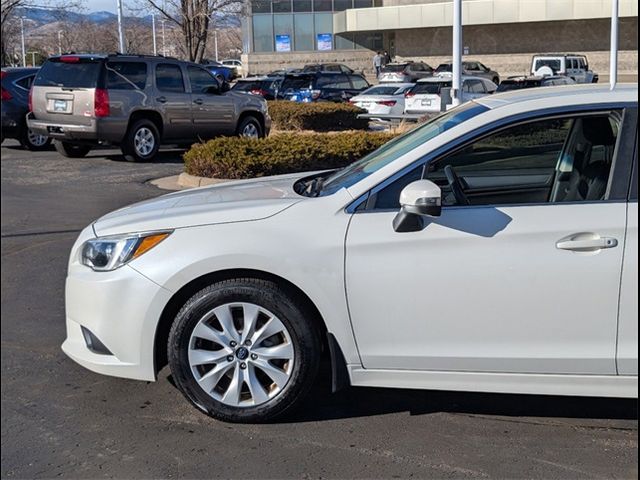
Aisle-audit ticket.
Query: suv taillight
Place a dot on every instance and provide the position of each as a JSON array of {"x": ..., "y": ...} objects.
[
  {"x": 5, "y": 94},
  {"x": 386, "y": 103},
  {"x": 101, "y": 103},
  {"x": 259, "y": 91},
  {"x": 409, "y": 95}
]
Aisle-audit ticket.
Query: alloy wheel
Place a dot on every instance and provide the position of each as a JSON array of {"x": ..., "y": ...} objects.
[
  {"x": 241, "y": 354},
  {"x": 250, "y": 130},
  {"x": 35, "y": 139},
  {"x": 144, "y": 141}
]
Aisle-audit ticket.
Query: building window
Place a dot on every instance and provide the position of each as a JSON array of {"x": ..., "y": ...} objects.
[
  {"x": 283, "y": 25},
  {"x": 260, "y": 6},
  {"x": 339, "y": 5},
  {"x": 281, "y": 6},
  {"x": 344, "y": 41},
  {"x": 369, "y": 41},
  {"x": 301, "y": 5},
  {"x": 304, "y": 38},
  {"x": 262, "y": 33},
  {"x": 322, "y": 5},
  {"x": 362, "y": 3},
  {"x": 323, "y": 23}
]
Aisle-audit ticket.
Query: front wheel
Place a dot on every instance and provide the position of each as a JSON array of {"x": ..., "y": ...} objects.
[
  {"x": 142, "y": 142},
  {"x": 243, "y": 350},
  {"x": 250, "y": 127},
  {"x": 34, "y": 142},
  {"x": 71, "y": 150}
]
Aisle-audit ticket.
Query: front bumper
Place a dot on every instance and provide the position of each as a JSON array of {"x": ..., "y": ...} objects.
[{"x": 121, "y": 309}]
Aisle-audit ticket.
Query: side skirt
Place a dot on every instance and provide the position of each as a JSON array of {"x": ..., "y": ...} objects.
[{"x": 536, "y": 384}]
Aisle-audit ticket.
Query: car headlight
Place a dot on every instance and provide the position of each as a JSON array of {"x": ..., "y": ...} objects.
[{"x": 104, "y": 254}]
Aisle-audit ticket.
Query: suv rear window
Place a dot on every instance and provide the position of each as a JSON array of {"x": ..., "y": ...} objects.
[
  {"x": 126, "y": 75},
  {"x": 395, "y": 68},
  {"x": 431, "y": 88},
  {"x": 83, "y": 74},
  {"x": 297, "y": 82}
]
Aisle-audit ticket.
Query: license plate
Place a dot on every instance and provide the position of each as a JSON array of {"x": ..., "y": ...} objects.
[
  {"x": 59, "y": 105},
  {"x": 426, "y": 102}
]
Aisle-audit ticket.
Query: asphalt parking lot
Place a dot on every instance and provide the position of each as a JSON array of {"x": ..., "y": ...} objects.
[{"x": 60, "y": 420}]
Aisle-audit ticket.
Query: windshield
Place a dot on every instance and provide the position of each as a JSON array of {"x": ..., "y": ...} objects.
[
  {"x": 381, "y": 90},
  {"x": 399, "y": 146},
  {"x": 444, "y": 67},
  {"x": 395, "y": 68}
]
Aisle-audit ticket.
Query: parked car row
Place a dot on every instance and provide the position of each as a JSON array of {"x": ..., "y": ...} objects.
[{"x": 136, "y": 102}]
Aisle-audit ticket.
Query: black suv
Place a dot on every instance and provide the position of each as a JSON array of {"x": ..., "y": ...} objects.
[
  {"x": 321, "y": 86},
  {"x": 136, "y": 102}
]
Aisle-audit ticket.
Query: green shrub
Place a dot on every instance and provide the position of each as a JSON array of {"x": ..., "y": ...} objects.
[
  {"x": 316, "y": 116},
  {"x": 239, "y": 157}
]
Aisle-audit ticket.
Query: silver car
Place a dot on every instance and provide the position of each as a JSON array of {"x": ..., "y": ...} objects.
[
  {"x": 136, "y": 102},
  {"x": 472, "y": 68},
  {"x": 405, "y": 72}
]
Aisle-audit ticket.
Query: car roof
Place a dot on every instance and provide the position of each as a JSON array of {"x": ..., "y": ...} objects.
[
  {"x": 564, "y": 95},
  {"x": 559, "y": 55}
]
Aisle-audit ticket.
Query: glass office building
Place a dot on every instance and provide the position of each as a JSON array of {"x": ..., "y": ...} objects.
[{"x": 278, "y": 26}]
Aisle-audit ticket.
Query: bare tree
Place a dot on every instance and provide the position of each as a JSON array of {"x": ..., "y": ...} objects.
[{"x": 194, "y": 18}]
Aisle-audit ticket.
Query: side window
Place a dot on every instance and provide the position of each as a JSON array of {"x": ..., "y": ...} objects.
[
  {"x": 553, "y": 160},
  {"x": 389, "y": 196},
  {"x": 334, "y": 81},
  {"x": 169, "y": 78},
  {"x": 200, "y": 79},
  {"x": 126, "y": 75},
  {"x": 332, "y": 68},
  {"x": 25, "y": 82},
  {"x": 359, "y": 82},
  {"x": 473, "y": 86}
]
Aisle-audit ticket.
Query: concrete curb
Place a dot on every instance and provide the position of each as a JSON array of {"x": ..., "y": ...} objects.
[{"x": 185, "y": 181}]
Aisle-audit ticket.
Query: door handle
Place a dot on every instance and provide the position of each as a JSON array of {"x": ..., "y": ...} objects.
[
  {"x": 586, "y": 242},
  {"x": 161, "y": 99},
  {"x": 198, "y": 101}
]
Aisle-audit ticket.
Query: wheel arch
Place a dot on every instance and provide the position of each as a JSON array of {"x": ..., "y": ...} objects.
[
  {"x": 179, "y": 298},
  {"x": 252, "y": 113},
  {"x": 151, "y": 115}
]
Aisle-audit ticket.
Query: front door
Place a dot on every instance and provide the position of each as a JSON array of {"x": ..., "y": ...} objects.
[
  {"x": 173, "y": 100},
  {"x": 213, "y": 112},
  {"x": 521, "y": 273}
]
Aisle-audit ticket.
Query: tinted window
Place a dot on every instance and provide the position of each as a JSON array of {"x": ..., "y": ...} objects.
[
  {"x": 399, "y": 146},
  {"x": 126, "y": 75},
  {"x": 333, "y": 81},
  {"x": 70, "y": 75},
  {"x": 200, "y": 79},
  {"x": 555, "y": 160},
  {"x": 169, "y": 78},
  {"x": 297, "y": 82},
  {"x": 430, "y": 88},
  {"x": 25, "y": 82},
  {"x": 245, "y": 86},
  {"x": 473, "y": 86},
  {"x": 358, "y": 82},
  {"x": 395, "y": 68}
]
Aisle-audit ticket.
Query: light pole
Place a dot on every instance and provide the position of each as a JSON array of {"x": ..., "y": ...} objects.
[
  {"x": 24, "y": 53},
  {"x": 457, "y": 53},
  {"x": 153, "y": 24},
  {"x": 120, "y": 29},
  {"x": 613, "y": 61},
  {"x": 215, "y": 42},
  {"x": 59, "y": 42},
  {"x": 164, "y": 50}
]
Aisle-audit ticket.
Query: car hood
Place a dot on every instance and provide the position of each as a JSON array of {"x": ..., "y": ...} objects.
[{"x": 237, "y": 201}]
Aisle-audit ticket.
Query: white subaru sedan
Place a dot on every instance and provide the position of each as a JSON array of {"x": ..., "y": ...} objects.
[{"x": 492, "y": 249}]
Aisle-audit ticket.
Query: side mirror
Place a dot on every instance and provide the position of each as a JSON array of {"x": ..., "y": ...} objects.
[{"x": 419, "y": 199}]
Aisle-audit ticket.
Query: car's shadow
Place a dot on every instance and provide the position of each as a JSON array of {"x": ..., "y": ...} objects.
[{"x": 354, "y": 402}]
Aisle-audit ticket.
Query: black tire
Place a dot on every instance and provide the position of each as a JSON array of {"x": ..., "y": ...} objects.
[
  {"x": 27, "y": 142},
  {"x": 128, "y": 147},
  {"x": 303, "y": 332},
  {"x": 71, "y": 150},
  {"x": 250, "y": 121}
]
